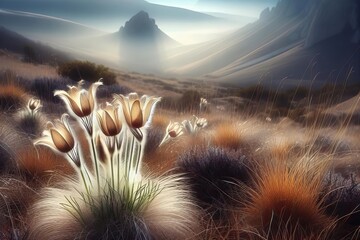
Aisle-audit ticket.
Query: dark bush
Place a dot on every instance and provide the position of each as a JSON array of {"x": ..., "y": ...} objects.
[
  {"x": 154, "y": 136},
  {"x": 44, "y": 88},
  {"x": 107, "y": 91},
  {"x": 30, "y": 124},
  {"x": 344, "y": 197},
  {"x": 88, "y": 71},
  {"x": 213, "y": 175},
  {"x": 189, "y": 101},
  {"x": 30, "y": 55}
]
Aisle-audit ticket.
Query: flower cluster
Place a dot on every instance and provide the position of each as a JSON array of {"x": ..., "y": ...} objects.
[
  {"x": 116, "y": 133},
  {"x": 176, "y": 129}
]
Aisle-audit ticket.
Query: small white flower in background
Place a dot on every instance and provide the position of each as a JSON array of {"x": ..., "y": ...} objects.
[
  {"x": 268, "y": 119},
  {"x": 34, "y": 105},
  {"x": 173, "y": 130},
  {"x": 220, "y": 108},
  {"x": 189, "y": 126},
  {"x": 203, "y": 104},
  {"x": 200, "y": 122},
  {"x": 194, "y": 125}
]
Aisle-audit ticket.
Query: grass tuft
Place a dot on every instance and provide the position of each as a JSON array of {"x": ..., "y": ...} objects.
[
  {"x": 169, "y": 215},
  {"x": 12, "y": 97},
  {"x": 212, "y": 175},
  {"x": 41, "y": 162},
  {"x": 227, "y": 135},
  {"x": 286, "y": 200}
]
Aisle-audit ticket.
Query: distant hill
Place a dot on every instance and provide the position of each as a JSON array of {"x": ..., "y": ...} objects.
[
  {"x": 308, "y": 41},
  {"x": 44, "y": 27},
  {"x": 31, "y": 51},
  {"x": 83, "y": 11}
]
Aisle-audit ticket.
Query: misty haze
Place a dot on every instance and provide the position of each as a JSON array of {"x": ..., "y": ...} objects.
[{"x": 179, "y": 119}]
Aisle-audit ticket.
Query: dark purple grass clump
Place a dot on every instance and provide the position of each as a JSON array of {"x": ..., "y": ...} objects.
[
  {"x": 213, "y": 174},
  {"x": 343, "y": 200}
]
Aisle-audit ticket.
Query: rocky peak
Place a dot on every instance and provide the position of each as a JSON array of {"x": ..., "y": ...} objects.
[{"x": 140, "y": 25}]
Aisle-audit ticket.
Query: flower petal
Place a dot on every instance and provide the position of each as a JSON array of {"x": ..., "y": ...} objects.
[
  {"x": 125, "y": 107},
  {"x": 70, "y": 101},
  {"x": 92, "y": 93},
  {"x": 149, "y": 107},
  {"x": 102, "y": 123},
  {"x": 59, "y": 141},
  {"x": 136, "y": 115},
  {"x": 85, "y": 103},
  {"x": 110, "y": 123}
]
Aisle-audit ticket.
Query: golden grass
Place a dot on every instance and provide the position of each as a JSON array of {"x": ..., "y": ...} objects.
[
  {"x": 42, "y": 162},
  {"x": 286, "y": 200},
  {"x": 281, "y": 150},
  {"x": 227, "y": 135},
  {"x": 163, "y": 159},
  {"x": 12, "y": 97}
]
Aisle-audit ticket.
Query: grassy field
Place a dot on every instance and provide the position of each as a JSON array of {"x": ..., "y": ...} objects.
[{"x": 245, "y": 163}]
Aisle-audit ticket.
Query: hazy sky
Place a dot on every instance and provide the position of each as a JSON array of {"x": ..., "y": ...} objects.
[
  {"x": 176, "y": 3},
  {"x": 251, "y": 8}
]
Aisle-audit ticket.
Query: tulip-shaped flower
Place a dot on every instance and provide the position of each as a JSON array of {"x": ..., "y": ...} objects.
[
  {"x": 173, "y": 130},
  {"x": 58, "y": 136},
  {"x": 110, "y": 125},
  {"x": 34, "y": 105},
  {"x": 109, "y": 120},
  {"x": 80, "y": 102},
  {"x": 137, "y": 111}
]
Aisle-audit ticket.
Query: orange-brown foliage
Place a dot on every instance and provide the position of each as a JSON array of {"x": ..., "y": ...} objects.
[
  {"x": 42, "y": 162},
  {"x": 227, "y": 135},
  {"x": 11, "y": 97},
  {"x": 286, "y": 200}
]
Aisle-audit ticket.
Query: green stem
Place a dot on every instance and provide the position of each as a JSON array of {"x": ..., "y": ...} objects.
[
  {"x": 86, "y": 185},
  {"x": 132, "y": 149},
  {"x": 139, "y": 159},
  {"x": 96, "y": 164},
  {"x": 112, "y": 171}
]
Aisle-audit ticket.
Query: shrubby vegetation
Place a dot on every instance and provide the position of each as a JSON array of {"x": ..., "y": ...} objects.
[{"x": 88, "y": 71}]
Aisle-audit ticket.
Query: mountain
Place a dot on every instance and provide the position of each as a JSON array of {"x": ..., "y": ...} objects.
[
  {"x": 142, "y": 28},
  {"x": 142, "y": 43},
  {"x": 309, "y": 41}
]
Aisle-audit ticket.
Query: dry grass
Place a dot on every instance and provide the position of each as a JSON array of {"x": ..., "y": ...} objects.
[
  {"x": 227, "y": 135},
  {"x": 163, "y": 159},
  {"x": 286, "y": 200},
  {"x": 170, "y": 215},
  {"x": 42, "y": 163},
  {"x": 12, "y": 97},
  {"x": 15, "y": 198}
]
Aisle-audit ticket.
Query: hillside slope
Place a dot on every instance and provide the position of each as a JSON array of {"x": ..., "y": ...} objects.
[{"x": 296, "y": 40}]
